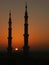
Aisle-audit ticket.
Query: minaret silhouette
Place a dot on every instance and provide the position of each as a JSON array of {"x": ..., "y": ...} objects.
[
  {"x": 10, "y": 34},
  {"x": 26, "y": 47}
]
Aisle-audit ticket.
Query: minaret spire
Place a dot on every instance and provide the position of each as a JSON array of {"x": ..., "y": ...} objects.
[
  {"x": 10, "y": 14},
  {"x": 26, "y": 47},
  {"x": 26, "y": 13},
  {"x": 10, "y": 34}
]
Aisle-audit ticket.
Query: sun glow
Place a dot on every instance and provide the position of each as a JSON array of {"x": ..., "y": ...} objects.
[{"x": 16, "y": 49}]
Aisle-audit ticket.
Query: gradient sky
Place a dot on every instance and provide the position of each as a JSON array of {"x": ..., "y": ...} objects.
[{"x": 38, "y": 12}]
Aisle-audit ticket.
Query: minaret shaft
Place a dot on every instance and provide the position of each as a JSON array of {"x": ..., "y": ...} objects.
[
  {"x": 10, "y": 34},
  {"x": 26, "y": 47}
]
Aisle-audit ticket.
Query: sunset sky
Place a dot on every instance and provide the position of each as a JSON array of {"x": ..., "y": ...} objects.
[{"x": 38, "y": 12}]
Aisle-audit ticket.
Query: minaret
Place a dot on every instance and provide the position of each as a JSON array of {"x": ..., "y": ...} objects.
[
  {"x": 26, "y": 47},
  {"x": 10, "y": 34}
]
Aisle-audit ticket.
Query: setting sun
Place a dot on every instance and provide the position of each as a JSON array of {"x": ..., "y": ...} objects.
[{"x": 16, "y": 49}]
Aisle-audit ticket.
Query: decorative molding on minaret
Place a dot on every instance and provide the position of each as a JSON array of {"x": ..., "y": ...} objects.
[
  {"x": 26, "y": 47},
  {"x": 10, "y": 34}
]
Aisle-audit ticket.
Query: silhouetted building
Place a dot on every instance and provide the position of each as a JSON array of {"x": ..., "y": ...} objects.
[
  {"x": 10, "y": 34},
  {"x": 26, "y": 47}
]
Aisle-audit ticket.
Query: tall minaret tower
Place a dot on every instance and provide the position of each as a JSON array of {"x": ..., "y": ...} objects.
[
  {"x": 10, "y": 34},
  {"x": 26, "y": 47}
]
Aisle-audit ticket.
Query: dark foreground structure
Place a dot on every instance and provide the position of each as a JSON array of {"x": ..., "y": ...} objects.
[{"x": 18, "y": 58}]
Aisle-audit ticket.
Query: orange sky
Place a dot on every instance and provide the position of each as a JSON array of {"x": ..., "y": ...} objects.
[{"x": 38, "y": 23}]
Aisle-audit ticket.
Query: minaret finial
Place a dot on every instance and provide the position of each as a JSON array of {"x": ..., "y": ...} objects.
[
  {"x": 10, "y": 13},
  {"x": 26, "y": 13},
  {"x": 26, "y": 6}
]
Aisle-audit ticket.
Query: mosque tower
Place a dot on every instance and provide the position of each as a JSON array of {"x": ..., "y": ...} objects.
[
  {"x": 10, "y": 34},
  {"x": 26, "y": 35}
]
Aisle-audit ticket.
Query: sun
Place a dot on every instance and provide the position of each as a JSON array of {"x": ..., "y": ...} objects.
[{"x": 16, "y": 49}]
